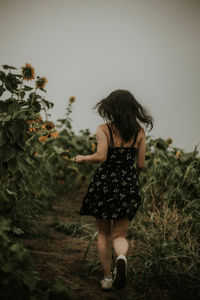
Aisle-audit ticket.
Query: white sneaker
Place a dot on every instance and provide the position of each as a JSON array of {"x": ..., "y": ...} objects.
[
  {"x": 106, "y": 283},
  {"x": 120, "y": 272}
]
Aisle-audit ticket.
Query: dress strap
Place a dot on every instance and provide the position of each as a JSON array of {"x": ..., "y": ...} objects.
[
  {"x": 135, "y": 139},
  {"x": 111, "y": 136}
]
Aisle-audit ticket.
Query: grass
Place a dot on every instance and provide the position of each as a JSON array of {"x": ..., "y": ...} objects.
[
  {"x": 72, "y": 229},
  {"x": 168, "y": 252}
]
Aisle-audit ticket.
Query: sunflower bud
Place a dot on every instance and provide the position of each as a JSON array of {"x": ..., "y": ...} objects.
[
  {"x": 48, "y": 125},
  {"x": 41, "y": 82},
  {"x": 169, "y": 141},
  {"x": 72, "y": 99}
]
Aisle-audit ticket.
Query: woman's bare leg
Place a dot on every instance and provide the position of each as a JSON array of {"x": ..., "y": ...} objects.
[
  {"x": 104, "y": 244},
  {"x": 119, "y": 231}
]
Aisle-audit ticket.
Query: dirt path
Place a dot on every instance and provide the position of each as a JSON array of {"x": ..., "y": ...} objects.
[{"x": 57, "y": 254}]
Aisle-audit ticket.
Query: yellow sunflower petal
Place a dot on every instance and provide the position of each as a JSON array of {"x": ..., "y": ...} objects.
[
  {"x": 28, "y": 72},
  {"x": 41, "y": 82},
  {"x": 169, "y": 141}
]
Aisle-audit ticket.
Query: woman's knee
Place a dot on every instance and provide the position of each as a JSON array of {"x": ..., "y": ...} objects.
[
  {"x": 106, "y": 236},
  {"x": 120, "y": 228},
  {"x": 104, "y": 229}
]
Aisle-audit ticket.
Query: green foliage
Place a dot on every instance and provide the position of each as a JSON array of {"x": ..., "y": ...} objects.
[
  {"x": 72, "y": 229},
  {"x": 169, "y": 175},
  {"x": 92, "y": 238},
  {"x": 59, "y": 290},
  {"x": 18, "y": 279},
  {"x": 166, "y": 227},
  {"x": 18, "y": 199},
  {"x": 168, "y": 251},
  {"x": 35, "y": 165},
  {"x": 34, "y": 170}
]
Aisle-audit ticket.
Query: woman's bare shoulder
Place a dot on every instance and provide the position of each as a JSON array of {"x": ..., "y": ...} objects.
[
  {"x": 141, "y": 132},
  {"x": 103, "y": 127}
]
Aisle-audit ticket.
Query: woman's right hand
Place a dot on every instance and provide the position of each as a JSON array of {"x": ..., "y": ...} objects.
[{"x": 79, "y": 159}]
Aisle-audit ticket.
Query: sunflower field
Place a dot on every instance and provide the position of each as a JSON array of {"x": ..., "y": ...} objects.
[{"x": 37, "y": 169}]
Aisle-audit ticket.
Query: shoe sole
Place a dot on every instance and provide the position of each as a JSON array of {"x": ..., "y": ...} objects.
[
  {"x": 106, "y": 289},
  {"x": 120, "y": 279}
]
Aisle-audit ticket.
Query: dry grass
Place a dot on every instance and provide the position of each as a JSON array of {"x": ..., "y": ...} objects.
[{"x": 169, "y": 250}]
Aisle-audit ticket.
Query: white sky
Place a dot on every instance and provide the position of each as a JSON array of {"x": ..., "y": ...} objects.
[{"x": 88, "y": 48}]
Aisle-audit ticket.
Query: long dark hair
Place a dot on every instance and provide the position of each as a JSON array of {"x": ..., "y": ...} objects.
[{"x": 123, "y": 110}]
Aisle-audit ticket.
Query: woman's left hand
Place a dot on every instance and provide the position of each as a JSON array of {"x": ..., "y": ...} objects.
[{"x": 79, "y": 159}]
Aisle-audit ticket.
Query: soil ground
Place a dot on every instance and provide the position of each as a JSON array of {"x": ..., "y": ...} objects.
[{"x": 56, "y": 254}]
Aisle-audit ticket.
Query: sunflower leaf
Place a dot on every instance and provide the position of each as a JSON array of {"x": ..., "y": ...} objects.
[
  {"x": 2, "y": 90},
  {"x": 2, "y": 75},
  {"x": 58, "y": 150},
  {"x": 6, "y": 67},
  {"x": 27, "y": 88},
  {"x": 22, "y": 94},
  {"x": 47, "y": 103},
  {"x": 36, "y": 106}
]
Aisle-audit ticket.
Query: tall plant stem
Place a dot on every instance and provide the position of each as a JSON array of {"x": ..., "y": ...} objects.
[
  {"x": 20, "y": 88},
  {"x": 34, "y": 94}
]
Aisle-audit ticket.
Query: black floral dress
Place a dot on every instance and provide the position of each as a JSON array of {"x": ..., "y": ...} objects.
[{"x": 113, "y": 191}]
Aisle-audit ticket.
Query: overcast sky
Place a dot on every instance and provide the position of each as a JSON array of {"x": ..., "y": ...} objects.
[{"x": 88, "y": 48}]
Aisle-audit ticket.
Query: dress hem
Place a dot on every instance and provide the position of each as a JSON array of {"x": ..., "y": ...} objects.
[{"x": 95, "y": 216}]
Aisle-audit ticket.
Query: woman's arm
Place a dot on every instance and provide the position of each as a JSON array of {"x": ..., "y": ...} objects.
[
  {"x": 141, "y": 153},
  {"x": 102, "y": 147}
]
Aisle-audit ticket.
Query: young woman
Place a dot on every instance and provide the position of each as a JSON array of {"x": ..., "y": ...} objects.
[{"x": 113, "y": 194}]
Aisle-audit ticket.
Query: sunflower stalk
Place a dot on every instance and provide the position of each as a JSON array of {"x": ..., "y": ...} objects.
[
  {"x": 20, "y": 87},
  {"x": 45, "y": 111},
  {"x": 34, "y": 94}
]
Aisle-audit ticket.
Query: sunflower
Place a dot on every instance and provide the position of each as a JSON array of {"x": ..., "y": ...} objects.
[
  {"x": 43, "y": 138},
  {"x": 41, "y": 82},
  {"x": 32, "y": 129},
  {"x": 48, "y": 125},
  {"x": 28, "y": 121},
  {"x": 55, "y": 134},
  {"x": 72, "y": 99},
  {"x": 38, "y": 119},
  {"x": 169, "y": 141},
  {"x": 28, "y": 72}
]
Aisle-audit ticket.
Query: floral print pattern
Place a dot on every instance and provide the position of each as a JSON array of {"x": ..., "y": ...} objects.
[{"x": 113, "y": 191}]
